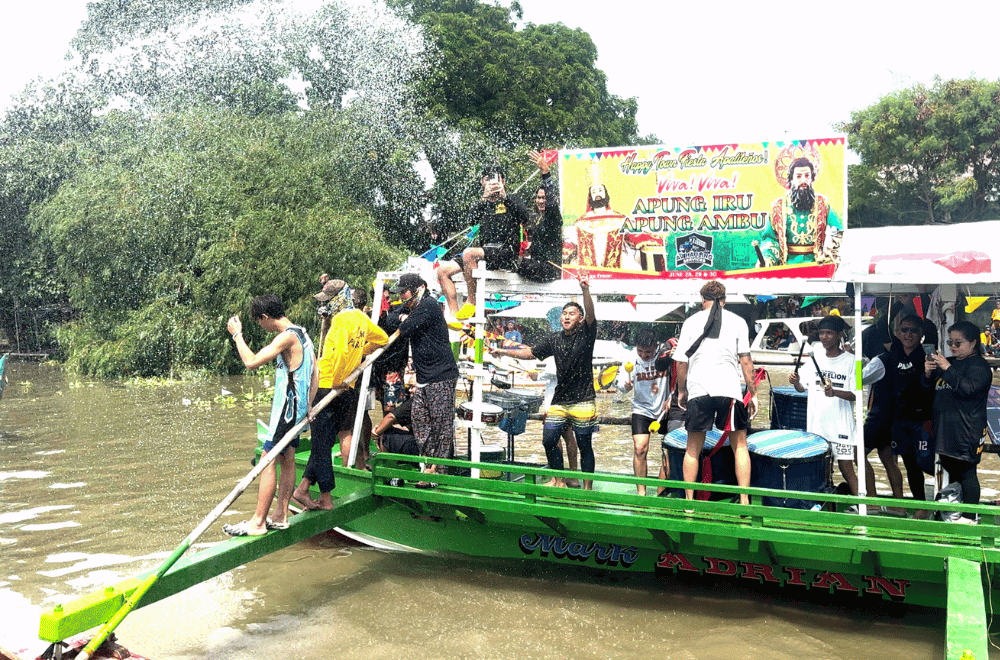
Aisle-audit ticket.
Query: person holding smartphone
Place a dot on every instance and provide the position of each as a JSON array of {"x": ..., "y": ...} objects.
[
  {"x": 961, "y": 386},
  {"x": 500, "y": 218}
]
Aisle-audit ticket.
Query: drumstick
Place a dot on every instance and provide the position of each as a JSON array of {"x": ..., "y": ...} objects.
[
  {"x": 655, "y": 426},
  {"x": 826, "y": 381},
  {"x": 798, "y": 360}
]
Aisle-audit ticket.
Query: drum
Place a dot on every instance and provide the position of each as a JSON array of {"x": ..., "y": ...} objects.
[
  {"x": 788, "y": 408},
  {"x": 531, "y": 400},
  {"x": 789, "y": 460},
  {"x": 723, "y": 463},
  {"x": 490, "y": 413},
  {"x": 491, "y": 454}
]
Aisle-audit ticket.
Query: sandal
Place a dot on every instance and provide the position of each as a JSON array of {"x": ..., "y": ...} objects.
[
  {"x": 273, "y": 526},
  {"x": 242, "y": 529}
]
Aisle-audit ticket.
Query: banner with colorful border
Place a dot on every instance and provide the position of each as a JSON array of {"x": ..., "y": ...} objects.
[{"x": 768, "y": 209}]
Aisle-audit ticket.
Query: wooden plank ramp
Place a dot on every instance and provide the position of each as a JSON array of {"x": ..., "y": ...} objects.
[
  {"x": 87, "y": 612},
  {"x": 966, "y": 636}
]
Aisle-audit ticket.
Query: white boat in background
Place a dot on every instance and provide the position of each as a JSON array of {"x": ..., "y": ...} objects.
[{"x": 777, "y": 341}]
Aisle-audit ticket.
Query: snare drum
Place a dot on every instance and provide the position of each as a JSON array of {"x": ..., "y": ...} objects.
[{"x": 490, "y": 413}]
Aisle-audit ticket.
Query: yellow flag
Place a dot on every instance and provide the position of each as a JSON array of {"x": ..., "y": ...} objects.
[{"x": 972, "y": 303}]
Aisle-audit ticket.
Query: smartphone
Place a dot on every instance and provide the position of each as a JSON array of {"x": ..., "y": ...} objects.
[{"x": 928, "y": 349}]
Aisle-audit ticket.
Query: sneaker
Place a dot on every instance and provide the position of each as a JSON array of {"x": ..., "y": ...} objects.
[
  {"x": 962, "y": 520},
  {"x": 396, "y": 482},
  {"x": 468, "y": 311}
]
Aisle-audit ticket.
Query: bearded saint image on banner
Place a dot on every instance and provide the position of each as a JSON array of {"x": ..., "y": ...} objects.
[
  {"x": 802, "y": 226},
  {"x": 599, "y": 231}
]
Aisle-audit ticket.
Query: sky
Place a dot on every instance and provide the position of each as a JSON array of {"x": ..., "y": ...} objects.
[{"x": 703, "y": 73}]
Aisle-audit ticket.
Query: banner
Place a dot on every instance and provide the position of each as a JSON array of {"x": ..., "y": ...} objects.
[{"x": 768, "y": 209}]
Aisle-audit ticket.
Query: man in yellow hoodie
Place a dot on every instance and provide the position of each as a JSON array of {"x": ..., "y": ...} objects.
[{"x": 351, "y": 337}]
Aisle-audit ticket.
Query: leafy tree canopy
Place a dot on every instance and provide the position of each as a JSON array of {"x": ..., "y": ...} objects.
[
  {"x": 177, "y": 222},
  {"x": 928, "y": 154},
  {"x": 537, "y": 85}
]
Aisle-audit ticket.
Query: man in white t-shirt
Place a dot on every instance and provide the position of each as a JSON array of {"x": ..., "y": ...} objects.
[
  {"x": 714, "y": 347},
  {"x": 830, "y": 414},
  {"x": 650, "y": 378}
]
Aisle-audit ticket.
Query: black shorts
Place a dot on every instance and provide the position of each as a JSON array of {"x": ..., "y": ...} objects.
[
  {"x": 878, "y": 434},
  {"x": 398, "y": 442},
  {"x": 907, "y": 437},
  {"x": 537, "y": 270},
  {"x": 640, "y": 424},
  {"x": 703, "y": 411},
  {"x": 496, "y": 257}
]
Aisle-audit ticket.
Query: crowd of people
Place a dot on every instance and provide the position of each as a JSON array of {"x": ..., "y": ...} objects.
[{"x": 922, "y": 403}]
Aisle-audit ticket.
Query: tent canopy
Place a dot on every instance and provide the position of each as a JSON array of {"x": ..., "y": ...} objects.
[{"x": 919, "y": 258}]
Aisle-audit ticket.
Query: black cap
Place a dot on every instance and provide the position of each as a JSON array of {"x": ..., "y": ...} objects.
[{"x": 408, "y": 282}]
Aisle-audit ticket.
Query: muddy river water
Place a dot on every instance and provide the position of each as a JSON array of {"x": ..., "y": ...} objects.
[{"x": 100, "y": 480}]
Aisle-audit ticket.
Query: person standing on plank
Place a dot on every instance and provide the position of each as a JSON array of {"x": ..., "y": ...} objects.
[
  {"x": 574, "y": 399},
  {"x": 352, "y": 336},
  {"x": 295, "y": 381},
  {"x": 714, "y": 345}
]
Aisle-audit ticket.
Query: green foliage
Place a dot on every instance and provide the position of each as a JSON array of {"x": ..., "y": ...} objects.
[
  {"x": 928, "y": 154},
  {"x": 536, "y": 86},
  {"x": 174, "y": 224}
]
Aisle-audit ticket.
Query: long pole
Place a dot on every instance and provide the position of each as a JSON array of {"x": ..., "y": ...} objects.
[{"x": 132, "y": 601}]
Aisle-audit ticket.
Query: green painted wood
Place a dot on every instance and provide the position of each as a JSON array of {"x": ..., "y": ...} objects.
[
  {"x": 92, "y": 610},
  {"x": 966, "y": 637}
]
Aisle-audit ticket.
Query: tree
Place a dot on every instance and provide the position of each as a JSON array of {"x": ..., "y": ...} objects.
[
  {"x": 537, "y": 86},
  {"x": 173, "y": 223},
  {"x": 928, "y": 154}
]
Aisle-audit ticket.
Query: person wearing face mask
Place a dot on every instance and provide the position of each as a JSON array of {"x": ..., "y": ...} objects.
[
  {"x": 433, "y": 408},
  {"x": 574, "y": 399},
  {"x": 961, "y": 385}
]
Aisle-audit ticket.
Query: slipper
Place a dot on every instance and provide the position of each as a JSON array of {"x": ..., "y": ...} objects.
[
  {"x": 242, "y": 529},
  {"x": 426, "y": 484},
  {"x": 272, "y": 526},
  {"x": 305, "y": 505}
]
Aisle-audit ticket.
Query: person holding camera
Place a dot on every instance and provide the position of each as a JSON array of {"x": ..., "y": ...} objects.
[{"x": 500, "y": 218}]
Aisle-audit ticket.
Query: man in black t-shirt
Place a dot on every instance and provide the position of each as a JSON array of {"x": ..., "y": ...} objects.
[
  {"x": 500, "y": 218},
  {"x": 573, "y": 402},
  {"x": 434, "y": 399}
]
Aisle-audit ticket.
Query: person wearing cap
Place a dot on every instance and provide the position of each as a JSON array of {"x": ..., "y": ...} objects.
[
  {"x": 433, "y": 408},
  {"x": 713, "y": 347},
  {"x": 829, "y": 411},
  {"x": 500, "y": 218},
  {"x": 574, "y": 399},
  {"x": 295, "y": 381},
  {"x": 352, "y": 335}
]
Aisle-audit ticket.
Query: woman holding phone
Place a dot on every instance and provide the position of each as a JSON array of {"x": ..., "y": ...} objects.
[{"x": 961, "y": 385}]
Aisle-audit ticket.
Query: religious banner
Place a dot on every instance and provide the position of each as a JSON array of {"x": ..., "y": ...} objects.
[{"x": 767, "y": 209}]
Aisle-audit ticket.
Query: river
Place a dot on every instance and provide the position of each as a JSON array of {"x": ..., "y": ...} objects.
[{"x": 100, "y": 480}]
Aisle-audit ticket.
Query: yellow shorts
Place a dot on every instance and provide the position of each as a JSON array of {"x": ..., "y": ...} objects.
[{"x": 581, "y": 415}]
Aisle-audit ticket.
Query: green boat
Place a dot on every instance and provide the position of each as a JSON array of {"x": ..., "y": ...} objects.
[{"x": 824, "y": 551}]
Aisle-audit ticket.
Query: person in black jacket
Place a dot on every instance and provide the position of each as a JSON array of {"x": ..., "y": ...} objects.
[
  {"x": 437, "y": 373},
  {"x": 500, "y": 218},
  {"x": 543, "y": 230},
  {"x": 961, "y": 386}
]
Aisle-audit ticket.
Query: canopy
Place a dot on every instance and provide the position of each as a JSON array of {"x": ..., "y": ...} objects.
[
  {"x": 605, "y": 311},
  {"x": 923, "y": 256}
]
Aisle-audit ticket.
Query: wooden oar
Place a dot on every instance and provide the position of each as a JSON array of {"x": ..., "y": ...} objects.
[{"x": 266, "y": 460}]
